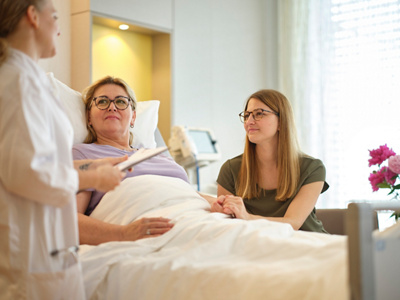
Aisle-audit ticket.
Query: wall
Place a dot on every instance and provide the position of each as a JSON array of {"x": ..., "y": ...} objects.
[
  {"x": 60, "y": 65},
  {"x": 222, "y": 51},
  {"x": 161, "y": 85},
  {"x": 219, "y": 59},
  {"x": 155, "y": 14},
  {"x": 110, "y": 45}
]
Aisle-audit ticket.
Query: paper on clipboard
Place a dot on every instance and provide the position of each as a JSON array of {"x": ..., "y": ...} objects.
[{"x": 139, "y": 156}]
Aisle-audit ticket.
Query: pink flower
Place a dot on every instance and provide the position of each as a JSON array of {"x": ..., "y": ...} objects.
[
  {"x": 390, "y": 177},
  {"x": 394, "y": 164},
  {"x": 383, "y": 178},
  {"x": 376, "y": 178},
  {"x": 379, "y": 155}
]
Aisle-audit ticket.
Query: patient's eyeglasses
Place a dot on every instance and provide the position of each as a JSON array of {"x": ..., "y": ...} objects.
[
  {"x": 120, "y": 102},
  {"x": 258, "y": 114}
]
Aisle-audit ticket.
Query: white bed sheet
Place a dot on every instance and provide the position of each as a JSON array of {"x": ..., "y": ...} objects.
[{"x": 207, "y": 255}]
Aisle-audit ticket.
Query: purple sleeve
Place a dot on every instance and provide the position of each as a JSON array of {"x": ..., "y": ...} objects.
[
  {"x": 77, "y": 154},
  {"x": 158, "y": 165}
]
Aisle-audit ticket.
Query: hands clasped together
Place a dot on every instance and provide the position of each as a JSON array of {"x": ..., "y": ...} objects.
[{"x": 231, "y": 205}]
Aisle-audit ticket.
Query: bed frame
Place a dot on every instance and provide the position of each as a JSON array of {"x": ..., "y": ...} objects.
[
  {"x": 365, "y": 280},
  {"x": 358, "y": 221}
]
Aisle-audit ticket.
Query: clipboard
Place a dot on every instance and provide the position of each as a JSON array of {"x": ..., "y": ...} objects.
[{"x": 139, "y": 156}]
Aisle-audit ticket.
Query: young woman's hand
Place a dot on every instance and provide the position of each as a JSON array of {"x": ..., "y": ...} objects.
[{"x": 234, "y": 206}]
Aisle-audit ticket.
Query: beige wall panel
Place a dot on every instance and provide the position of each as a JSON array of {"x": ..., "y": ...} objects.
[
  {"x": 161, "y": 88},
  {"x": 79, "y": 6},
  {"x": 123, "y": 54},
  {"x": 81, "y": 41}
]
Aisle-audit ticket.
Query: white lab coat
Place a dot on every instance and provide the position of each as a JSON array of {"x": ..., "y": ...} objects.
[{"x": 37, "y": 188}]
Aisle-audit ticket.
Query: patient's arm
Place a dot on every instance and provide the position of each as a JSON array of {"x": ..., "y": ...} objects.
[
  {"x": 296, "y": 214},
  {"x": 209, "y": 198},
  {"x": 94, "y": 232}
]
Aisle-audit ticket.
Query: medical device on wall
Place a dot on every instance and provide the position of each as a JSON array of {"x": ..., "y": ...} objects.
[{"x": 193, "y": 147}]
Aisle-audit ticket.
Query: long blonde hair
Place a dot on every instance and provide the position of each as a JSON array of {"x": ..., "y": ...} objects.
[
  {"x": 288, "y": 152},
  {"x": 11, "y": 12},
  {"x": 87, "y": 97}
]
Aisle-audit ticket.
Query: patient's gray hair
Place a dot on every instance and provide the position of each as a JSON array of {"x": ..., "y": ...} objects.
[
  {"x": 87, "y": 97},
  {"x": 11, "y": 12}
]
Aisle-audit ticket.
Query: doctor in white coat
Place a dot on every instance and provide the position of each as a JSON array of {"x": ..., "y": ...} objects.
[{"x": 38, "y": 221}]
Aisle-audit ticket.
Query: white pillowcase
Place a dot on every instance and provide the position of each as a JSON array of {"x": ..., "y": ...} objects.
[{"x": 145, "y": 124}]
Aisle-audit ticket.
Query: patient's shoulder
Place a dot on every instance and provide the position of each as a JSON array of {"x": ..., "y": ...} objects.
[
  {"x": 83, "y": 147},
  {"x": 92, "y": 151}
]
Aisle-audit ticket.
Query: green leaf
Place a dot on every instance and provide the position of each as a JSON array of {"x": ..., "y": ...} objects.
[
  {"x": 396, "y": 215},
  {"x": 384, "y": 185}
]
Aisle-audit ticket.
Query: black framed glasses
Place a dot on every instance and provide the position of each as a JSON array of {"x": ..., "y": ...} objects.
[
  {"x": 120, "y": 102},
  {"x": 258, "y": 114}
]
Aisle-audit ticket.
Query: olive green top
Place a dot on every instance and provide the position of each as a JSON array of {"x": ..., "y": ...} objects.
[{"x": 311, "y": 170}]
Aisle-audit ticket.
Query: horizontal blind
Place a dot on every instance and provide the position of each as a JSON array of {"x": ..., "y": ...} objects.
[{"x": 361, "y": 102}]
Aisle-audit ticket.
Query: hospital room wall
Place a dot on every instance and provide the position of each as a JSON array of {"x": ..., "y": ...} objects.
[
  {"x": 60, "y": 65},
  {"x": 222, "y": 51},
  {"x": 109, "y": 45},
  {"x": 220, "y": 57}
]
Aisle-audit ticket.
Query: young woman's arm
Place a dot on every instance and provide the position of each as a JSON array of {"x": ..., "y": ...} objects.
[{"x": 296, "y": 214}]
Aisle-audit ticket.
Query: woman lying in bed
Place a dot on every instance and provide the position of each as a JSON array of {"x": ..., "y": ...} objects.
[{"x": 110, "y": 111}]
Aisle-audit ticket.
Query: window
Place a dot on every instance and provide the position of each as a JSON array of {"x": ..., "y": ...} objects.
[{"x": 345, "y": 86}]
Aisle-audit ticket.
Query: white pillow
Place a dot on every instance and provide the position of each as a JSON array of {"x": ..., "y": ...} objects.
[{"x": 145, "y": 124}]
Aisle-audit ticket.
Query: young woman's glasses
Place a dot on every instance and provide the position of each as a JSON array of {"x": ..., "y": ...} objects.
[
  {"x": 258, "y": 114},
  {"x": 120, "y": 102}
]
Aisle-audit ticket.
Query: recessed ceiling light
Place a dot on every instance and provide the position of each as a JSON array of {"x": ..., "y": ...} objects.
[{"x": 123, "y": 27}]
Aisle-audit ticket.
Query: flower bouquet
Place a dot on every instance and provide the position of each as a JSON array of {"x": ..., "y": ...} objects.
[{"x": 386, "y": 176}]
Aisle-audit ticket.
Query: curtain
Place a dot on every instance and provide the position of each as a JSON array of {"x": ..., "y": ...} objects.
[{"x": 339, "y": 65}]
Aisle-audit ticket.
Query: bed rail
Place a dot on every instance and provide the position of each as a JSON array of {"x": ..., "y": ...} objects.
[{"x": 359, "y": 227}]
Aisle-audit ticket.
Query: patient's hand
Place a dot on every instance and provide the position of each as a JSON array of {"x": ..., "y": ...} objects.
[
  {"x": 233, "y": 205},
  {"x": 145, "y": 228},
  {"x": 216, "y": 206}
]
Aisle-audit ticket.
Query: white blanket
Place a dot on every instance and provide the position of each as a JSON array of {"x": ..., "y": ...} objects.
[{"x": 207, "y": 255}]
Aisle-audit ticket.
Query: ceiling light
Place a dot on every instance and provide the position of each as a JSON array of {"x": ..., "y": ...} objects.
[{"x": 123, "y": 27}]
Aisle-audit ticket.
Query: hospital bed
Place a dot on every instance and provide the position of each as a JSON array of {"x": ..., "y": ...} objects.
[{"x": 205, "y": 256}]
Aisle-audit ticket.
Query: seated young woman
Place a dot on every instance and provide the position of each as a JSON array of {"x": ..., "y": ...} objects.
[
  {"x": 110, "y": 112},
  {"x": 272, "y": 179}
]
